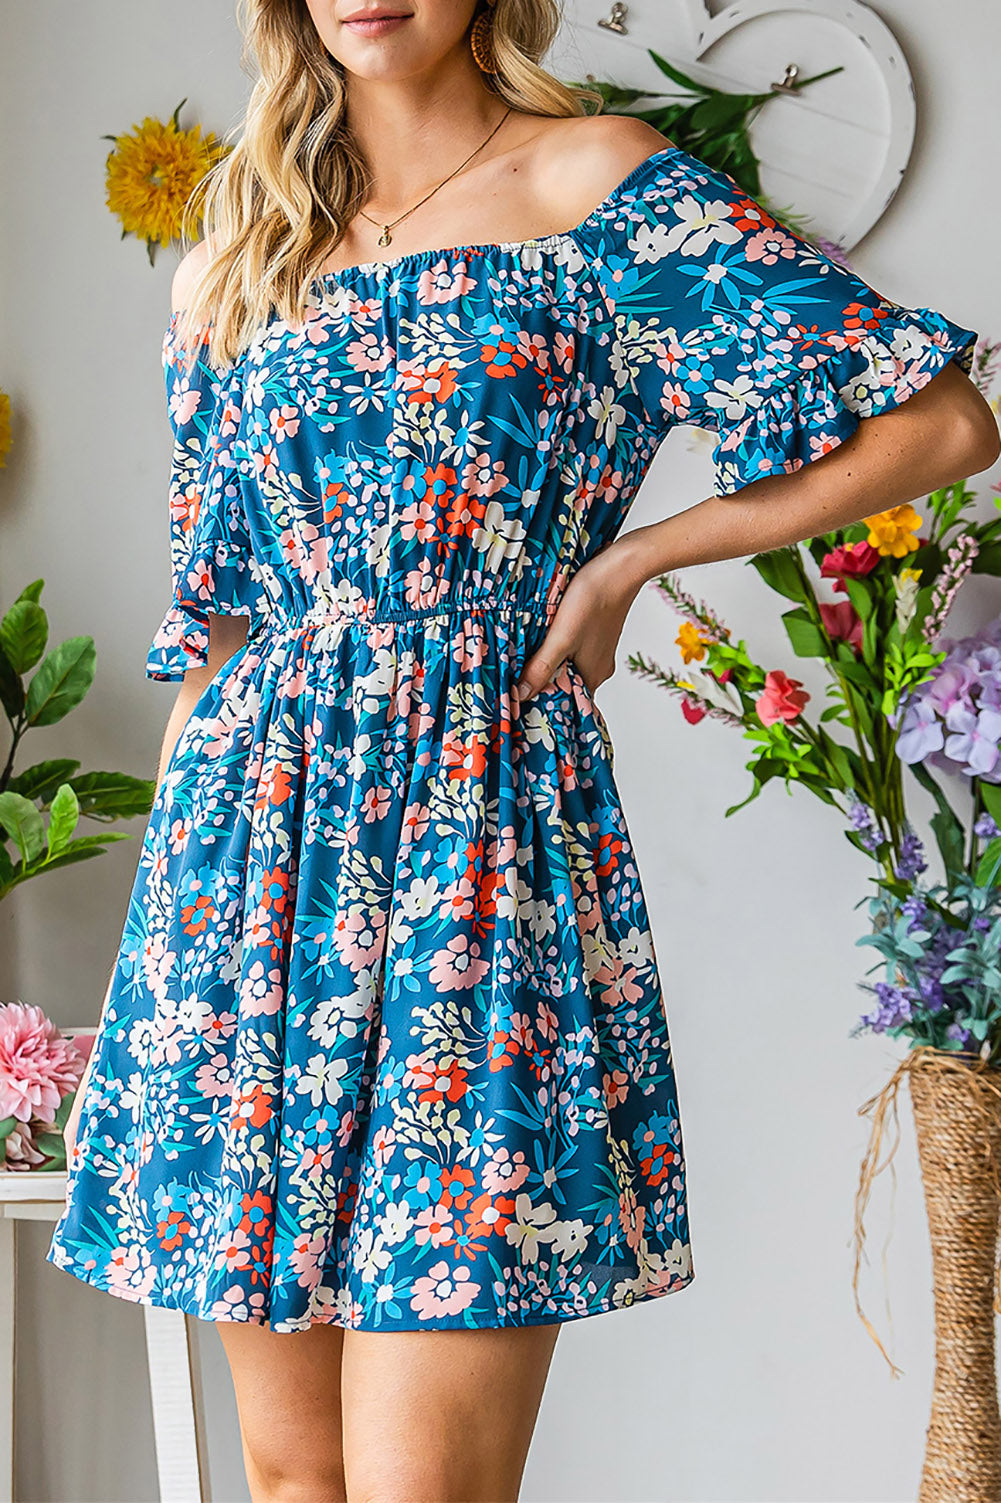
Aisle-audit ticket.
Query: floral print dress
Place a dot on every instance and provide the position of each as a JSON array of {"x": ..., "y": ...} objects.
[{"x": 385, "y": 1045}]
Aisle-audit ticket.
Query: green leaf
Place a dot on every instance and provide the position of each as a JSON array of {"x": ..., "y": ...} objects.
[
  {"x": 41, "y": 781},
  {"x": 990, "y": 797},
  {"x": 676, "y": 74},
  {"x": 64, "y": 817},
  {"x": 113, "y": 795},
  {"x": 949, "y": 836},
  {"x": 807, "y": 638},
  {"x": 62, "y": 681},
  {"x": 11, "y": 688},
  {"x": 23, "y": 823},
  {"x": 989, "y": 865},
  {"x": 24, "y": 631},
  {"x": 779, "y": 571}
]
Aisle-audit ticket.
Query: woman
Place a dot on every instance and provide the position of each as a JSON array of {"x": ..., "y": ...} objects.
[{"x": 383, "y": 1083}]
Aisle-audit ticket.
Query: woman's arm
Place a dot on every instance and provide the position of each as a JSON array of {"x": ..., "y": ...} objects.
[
  {"x": 943, "y": 433},
  {"x": 226, "y": 635}
]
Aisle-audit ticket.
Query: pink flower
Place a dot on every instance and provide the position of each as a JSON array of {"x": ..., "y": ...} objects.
[
  {"x": 445, "y": 1291},
  {"x": 783, "y": 698},
  {"x": 853, "y": 560},
  {"x": 843, "y": 623},
  {"x": 38, "y": 1065}
]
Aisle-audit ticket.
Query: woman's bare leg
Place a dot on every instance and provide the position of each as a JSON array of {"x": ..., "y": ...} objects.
[
  {"x": 288, "y": 1396},
  {"x": 441, "y": 1416}
]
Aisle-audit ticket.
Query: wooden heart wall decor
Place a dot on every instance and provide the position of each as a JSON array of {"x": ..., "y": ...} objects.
[{"x": 834, "y": 153}]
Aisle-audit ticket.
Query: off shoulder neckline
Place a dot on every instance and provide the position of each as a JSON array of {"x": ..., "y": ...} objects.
[
  {"x": 487, "y": 248},
  {"x": 501, "y": 247}
]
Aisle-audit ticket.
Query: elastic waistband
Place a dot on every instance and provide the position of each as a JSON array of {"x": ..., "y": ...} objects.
[{"x": 367, "y": 613}]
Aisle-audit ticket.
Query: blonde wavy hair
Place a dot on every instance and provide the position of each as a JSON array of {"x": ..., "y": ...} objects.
[{"x": 275, "y": 206}]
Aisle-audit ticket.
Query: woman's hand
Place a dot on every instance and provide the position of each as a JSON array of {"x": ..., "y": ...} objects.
[{"x": 588, "y": 622}]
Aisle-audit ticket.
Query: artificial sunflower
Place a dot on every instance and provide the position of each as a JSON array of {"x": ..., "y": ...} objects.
[
  {"x": 151, "y": 173},
  {"x": 5, "y": 436}
]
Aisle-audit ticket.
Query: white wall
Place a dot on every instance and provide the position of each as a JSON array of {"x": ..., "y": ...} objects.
[{"x": 758, "y": 1382}]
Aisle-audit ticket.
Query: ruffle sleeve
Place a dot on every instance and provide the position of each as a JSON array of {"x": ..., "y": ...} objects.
[
  {"x": 213, "y": 568},
  {"x": 723, "y": 317}
]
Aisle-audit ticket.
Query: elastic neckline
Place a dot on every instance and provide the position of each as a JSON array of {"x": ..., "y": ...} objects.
[{"x": 500, "y": 247}]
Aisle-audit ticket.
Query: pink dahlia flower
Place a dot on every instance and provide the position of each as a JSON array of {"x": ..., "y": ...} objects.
[{"x": 38, "y": 1064}]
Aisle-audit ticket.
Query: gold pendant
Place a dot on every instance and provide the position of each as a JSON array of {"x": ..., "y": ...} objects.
[{"x": 385, "y": 238}]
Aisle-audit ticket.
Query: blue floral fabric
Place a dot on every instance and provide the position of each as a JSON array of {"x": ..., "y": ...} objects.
[{"x": 385, "y": 1044}]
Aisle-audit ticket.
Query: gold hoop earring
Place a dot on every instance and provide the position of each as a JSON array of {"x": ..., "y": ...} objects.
[{"x": 481, "y": 41}]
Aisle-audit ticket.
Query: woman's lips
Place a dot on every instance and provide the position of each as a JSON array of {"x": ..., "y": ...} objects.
[{"x": 374, "y": 26}]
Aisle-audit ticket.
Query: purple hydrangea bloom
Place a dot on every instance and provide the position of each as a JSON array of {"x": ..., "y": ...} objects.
[{"x": 953, "y": 721}]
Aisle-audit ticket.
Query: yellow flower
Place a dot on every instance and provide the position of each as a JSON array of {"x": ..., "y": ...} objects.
[
  {"x": 691, "y": 643},
  {"x": 891, "y": 532},
  {"x": 5, "y": 438},
  {"x": 151, "y": 172}
]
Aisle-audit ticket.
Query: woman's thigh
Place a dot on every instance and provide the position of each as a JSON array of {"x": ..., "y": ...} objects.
[
  {"x": 441, "y": 1416},
  {"x": 288, "y": 1396}
]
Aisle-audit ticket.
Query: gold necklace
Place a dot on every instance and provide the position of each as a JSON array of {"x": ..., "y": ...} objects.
[{"x": 386, "y": 238}]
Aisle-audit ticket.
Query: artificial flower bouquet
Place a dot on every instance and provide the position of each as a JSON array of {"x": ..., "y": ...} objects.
[
  {"x": 40, "y": 1069},
  {"x": 906, "y": 705},
  {"x": 905, "y": 696}
]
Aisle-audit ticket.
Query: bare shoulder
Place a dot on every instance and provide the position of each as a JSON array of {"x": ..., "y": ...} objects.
[
  {"x": 189, "y": 269},
  {"x": 583, "y": 159}
]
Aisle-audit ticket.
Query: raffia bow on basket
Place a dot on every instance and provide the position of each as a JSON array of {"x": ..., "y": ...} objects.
[{"x": 957, "y": 1112}]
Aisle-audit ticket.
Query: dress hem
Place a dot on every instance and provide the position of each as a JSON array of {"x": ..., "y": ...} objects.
[{"x": 159, "y": 1302}]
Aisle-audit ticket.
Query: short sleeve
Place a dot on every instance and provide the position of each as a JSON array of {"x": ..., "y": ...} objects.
[
  {"x": 723, "y": 317},
  {"x": 213, "y": 569}
]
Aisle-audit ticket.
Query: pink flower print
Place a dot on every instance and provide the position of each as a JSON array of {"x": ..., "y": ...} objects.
[
  {"x": 503, "y": 1172},
  {"x": 564, "y": 348},
  {"x": 546, "y": 1021},
  {"x": 129, "y": 1272},
  {"x": 183, "y": 403},
  {"x": 445, "y": 1291},
  {"x": 615, "y": 1087},
  {"x": 261, "y": 992},
  {"x": 416, "y": 819},
  {"x": 234, "y": 1251},
  {"x": 370, "y": 353},
  {"x": 214, "y": 1080},
  {"x": 418, "y": 520},
  {"x": 229, "y": 418},
  {"x": 434, "y": 1227},
  {"x": 484, "y": 476},
  {"x": 618, "y": 981},
  {"x": 458, "y": 965},
  {"x": 306, "y": 1259},
  {"x": 534, "y": 348},
  {"x": 441, "y": 283},
  {"x": 675, "y": 399},
  {"x": 200, "y": 580},
  {"x": 770, "y": 246},
  {"x": 376, "y": 803},
  {"x": 284, "y": 422}
]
